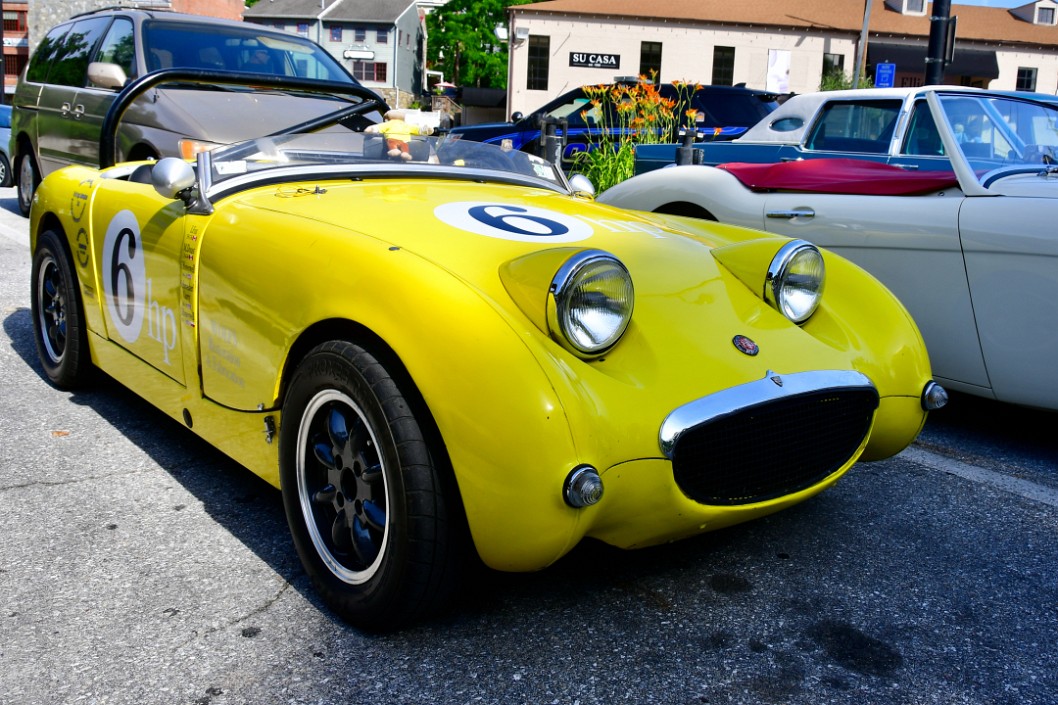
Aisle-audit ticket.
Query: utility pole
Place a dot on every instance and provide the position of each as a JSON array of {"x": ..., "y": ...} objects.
[
  {"x": 936, "y": 54},
  {"x": 861, "y": 48}
]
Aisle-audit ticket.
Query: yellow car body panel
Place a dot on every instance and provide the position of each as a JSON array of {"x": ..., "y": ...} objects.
[{"x": 234, "y": 294}]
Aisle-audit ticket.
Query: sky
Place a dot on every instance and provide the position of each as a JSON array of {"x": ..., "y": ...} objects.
[{"x": 992, "y": 3}]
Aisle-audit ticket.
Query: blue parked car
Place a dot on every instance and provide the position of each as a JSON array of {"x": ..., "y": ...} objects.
[{"x": 724, "y": 113}]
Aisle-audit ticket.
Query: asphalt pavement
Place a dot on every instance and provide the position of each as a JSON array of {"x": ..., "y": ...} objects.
[{"x": 139, "y": 566}]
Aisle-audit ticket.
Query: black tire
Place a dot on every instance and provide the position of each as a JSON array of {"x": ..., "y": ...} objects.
[
  {"x": 28, "y": 181},
  {"x": 58, "y": 316},
  {"x": 372, "y": 512},
  {"x": 5, "y": 171}
]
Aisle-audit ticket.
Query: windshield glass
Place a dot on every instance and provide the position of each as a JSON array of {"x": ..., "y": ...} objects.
[
  {"x": 340, "y": 151},
  {"x": 999, "y": 133},
  {"x": 202, "y": 46}
]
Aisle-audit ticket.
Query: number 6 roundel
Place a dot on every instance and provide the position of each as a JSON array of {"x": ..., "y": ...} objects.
[
  {"x": 124, "y": 275},
  {"x": 513, "y": 222}
]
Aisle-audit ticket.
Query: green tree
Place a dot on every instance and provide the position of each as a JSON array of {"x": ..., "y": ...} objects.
[{"x": 462, "y": 41}]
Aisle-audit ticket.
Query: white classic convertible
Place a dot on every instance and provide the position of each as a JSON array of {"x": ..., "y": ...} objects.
[{"x": 968, "y": 242}]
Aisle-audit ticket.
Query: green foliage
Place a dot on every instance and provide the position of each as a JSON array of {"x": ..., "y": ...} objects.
[
  {"x": 627, "y": 115},
  {"x": 464, "y": 31},
  {"x": 839, "y": 81}
]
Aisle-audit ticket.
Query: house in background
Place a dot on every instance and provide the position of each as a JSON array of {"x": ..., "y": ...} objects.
[
  {"x": 382, "y": 43},
  {"x": 769, "y": 44}
]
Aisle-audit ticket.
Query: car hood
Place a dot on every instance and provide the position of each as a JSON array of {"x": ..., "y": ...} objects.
[
  {"x": 470, "y": 230},
  {"x": 208, "y": 114},
  {"x": 1035, "y": 185},
  {"x": 481, "y": 234}
]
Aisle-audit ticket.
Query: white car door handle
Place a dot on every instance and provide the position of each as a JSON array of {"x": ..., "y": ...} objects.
[
  {"x": 792, "y": 213},
  {"x": 78, "y": 110}
]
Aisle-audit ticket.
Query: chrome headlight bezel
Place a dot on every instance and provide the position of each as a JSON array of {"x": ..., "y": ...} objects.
[
  {"x": 570, "y": 318},
  {"x": 796, "y": 279}
]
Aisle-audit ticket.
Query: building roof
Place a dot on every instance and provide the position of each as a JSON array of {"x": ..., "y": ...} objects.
[
  {"x": 985, "y": 24},
  {"x": 385, "y": 11}
]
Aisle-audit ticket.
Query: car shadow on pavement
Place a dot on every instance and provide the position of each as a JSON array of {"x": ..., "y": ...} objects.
[
  {"x": 251, "y": 510},
  {"x": 245, "y": 505}
]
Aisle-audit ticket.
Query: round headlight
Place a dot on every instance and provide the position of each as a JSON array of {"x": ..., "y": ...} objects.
[
  {"x": 795, "y": 280},
  {"x": 590, "y": 302}
]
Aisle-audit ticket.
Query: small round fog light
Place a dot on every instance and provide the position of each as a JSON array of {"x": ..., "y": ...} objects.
[
  {"x": 934, "y": 397},
  {"x": 583, "y": 487}
]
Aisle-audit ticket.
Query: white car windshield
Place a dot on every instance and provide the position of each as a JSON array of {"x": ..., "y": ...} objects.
[{"x": 999, "y": 133}]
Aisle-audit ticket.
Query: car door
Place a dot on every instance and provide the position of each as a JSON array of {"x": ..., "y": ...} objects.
[
  {"x": 138, "y": 243},
  {"x": 1011, "y": 250},
  {"x": 117, "y": 47},
  {"x": 910, "y": 243},
  {"x": 61, "y": 132}
]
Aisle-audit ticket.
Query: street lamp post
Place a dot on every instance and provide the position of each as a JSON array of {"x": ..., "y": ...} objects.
[{"x": 936, "y": 54}]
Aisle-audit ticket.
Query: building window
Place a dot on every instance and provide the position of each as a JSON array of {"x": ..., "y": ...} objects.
[
  {"x": 650, "y": 59},
  {"x": 303, "y": 28},
  {"x": 382, "y": 36},
  {"x": 14, "y": 63},
  {"x": 539, "y": 63},
  {"x": 1044, "y": 15},
  {"x": 833, "y": 63},
  {"x": 14, "y": 21},
  {"x": 915, "y": 7},
  {"x": 336, "y": 33},
  {"x": 1026, "y": 79},
  {"x": 723, "y": 66},
  {"x": 359, "y": 35},
  {"x": 369, "y": 71}
]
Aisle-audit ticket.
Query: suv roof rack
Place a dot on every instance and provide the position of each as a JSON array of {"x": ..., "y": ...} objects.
[{"x": 142, "y": 7}]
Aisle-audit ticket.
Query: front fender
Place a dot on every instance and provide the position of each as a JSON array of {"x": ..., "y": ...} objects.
[
  {"x": 710, "y": 189},
  {"x": 477, "y": 366}
]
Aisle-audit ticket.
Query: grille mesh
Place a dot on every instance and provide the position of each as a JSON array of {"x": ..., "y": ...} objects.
[{"x": 772, "y": 449}]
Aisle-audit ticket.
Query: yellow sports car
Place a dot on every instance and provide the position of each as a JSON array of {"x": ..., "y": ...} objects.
[{"x": 459, "y": 352}]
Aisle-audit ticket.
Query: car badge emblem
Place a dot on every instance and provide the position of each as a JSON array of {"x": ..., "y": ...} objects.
[{"x": 745, "y": 345}]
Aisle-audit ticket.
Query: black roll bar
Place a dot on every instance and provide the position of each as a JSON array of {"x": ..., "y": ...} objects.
[{"x": 108, "y": 142}]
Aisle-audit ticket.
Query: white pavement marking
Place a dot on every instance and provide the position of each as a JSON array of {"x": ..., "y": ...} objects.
[{"x": 1022, "y": 488}]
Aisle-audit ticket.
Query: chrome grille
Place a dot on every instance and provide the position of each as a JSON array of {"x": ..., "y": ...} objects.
[{"x": 768, "y": 442}]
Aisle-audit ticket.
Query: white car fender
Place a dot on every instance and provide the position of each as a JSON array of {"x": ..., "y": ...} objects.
[{"x": 694, "y": 190}]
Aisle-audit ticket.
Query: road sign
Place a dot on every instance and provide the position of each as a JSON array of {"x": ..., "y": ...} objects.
[{"x": 884, "y": 75}]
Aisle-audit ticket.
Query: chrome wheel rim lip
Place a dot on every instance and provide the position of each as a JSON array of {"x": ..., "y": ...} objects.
[
  {"x": 51, "y": 310},
  {"x": 305, "y": 455}
]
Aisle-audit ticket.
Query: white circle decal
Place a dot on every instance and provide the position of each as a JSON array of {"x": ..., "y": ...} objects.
[
  {"x": 508, "y": 221},
  {"x": 124, "y": 275}
]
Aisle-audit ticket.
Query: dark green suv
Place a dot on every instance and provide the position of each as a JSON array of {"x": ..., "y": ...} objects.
[{"x": 79, "y": 67}]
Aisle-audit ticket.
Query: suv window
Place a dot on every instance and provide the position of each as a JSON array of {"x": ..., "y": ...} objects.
[
  {"x": 69, "y": 62},
  {"x": 119, "y": 47},
  {"x": 579, "y": 111},
  {"x": 727, "y": 109},
  {"x": 40, "y": 62}
]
